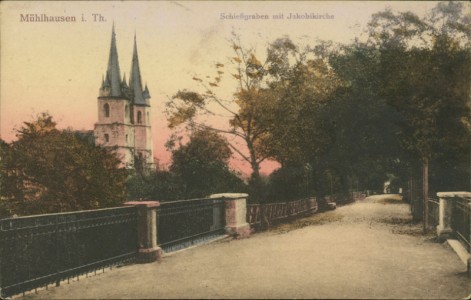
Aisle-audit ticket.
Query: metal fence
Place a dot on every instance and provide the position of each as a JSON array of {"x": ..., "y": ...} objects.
[
  {"x": 257, "y": 214},
  {"x": 433, "y": 208},
  {"x": 188, "y": 222},
  {"x": 36, "y": 251},
  {"x": 461, "y": 221}
]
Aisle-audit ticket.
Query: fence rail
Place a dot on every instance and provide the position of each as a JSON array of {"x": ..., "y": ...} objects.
[
  {"x": 461, "y": 221},
  {"x": 268, "y": 213},
  {"x": 187, "y": 222},
  {"x": 36, "y": 251}
]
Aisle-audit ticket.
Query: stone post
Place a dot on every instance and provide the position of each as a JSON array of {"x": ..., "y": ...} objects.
[
  {"x": 445, "y": 212},
  {"x": 313, "y": 205},
  {"x": 236, "y": 214},
  {"x": 147, "y": 230},
  {"x": 444, "y": 229}
]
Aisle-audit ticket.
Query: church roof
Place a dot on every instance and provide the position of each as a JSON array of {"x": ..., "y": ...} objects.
[
  {"x": 112, "y": 73},
  {"x": 113, "y": 85},
  {"x": 135, "y": 82},
  {"x": 146, "y": 93},
  {"x": 123, "y": 82}
]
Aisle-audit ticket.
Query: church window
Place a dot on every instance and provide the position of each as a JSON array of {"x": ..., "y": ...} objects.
[
  {"x": 107, "y": 137},
  {"x": 139, "y": 117},
  {"x": 126, "y": 111},
  {"x": 127, "y": 138},
  {"x": 106, "y": 109},
  {"x": 147, "y": 116}
]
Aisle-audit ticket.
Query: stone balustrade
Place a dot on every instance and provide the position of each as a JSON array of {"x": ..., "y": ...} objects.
[
  {"x": 147, "y": 218},
  {"x": 235, "y": 223},
  {"x": 236, "y": 214},
  {"x": 454, "y": 220},
  {"x": 444, "y": 229}
]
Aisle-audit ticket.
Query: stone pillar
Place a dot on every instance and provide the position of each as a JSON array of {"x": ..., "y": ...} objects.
[
  {"x": 444, "y": 229},
  {"x": 236, "y": 214},
  {"x": 445, "y": 212},
  {"x": 313, "y": 205},
  {"x": 147, "y": 230}
]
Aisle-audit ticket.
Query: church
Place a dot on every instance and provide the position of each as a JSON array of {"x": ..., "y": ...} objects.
[{"x": 124, "y": 113}]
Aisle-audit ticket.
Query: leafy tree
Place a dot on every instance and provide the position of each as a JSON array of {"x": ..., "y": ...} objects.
[
  {"x": 55, "y": 171},
  {"x": 200, "y": 166},
  {"x": 426, "y": 74},
  {"x": 365, "y": 125},
  {"x": 248, "y": 113},
  {"x": 302, "y": 130},
  {"x": 289, "y": 182},
  {"x": 156, "y": 185}
]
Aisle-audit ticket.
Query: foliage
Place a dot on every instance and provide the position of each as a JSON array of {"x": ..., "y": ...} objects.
[
  {"x": 365, "y": 126},
  {"x": 48, "y": 171},
  {"x": 199, "y": 168},
  {"x": 428, "y": 83},
  {"x": 289, "y": 182},
  {"x": 156, "y": 185},
  {"x": 426, "y": 71},
  {"x": 365, "y": 110},
  {"x": 248, "y": 110}
]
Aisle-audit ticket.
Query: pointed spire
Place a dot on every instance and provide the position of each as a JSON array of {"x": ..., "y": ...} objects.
[
  {"x": 135, "y": 83},
  {"x": 146, "y": 93},
  {"x": 113, "y": 73},
  {"x": 107, "y": 80},
  {"x": 123, "y": 82}
]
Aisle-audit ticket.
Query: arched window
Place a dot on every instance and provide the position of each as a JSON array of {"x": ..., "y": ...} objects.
[
  {"x": 126, "y": 111},
  {"x": 147, "y": 117},
  {"x": 139, "y": 117},
  {"x": 106, "y": 109},
  {"x": 107, "y": 137},
  {"x": 127, "y": 138}
]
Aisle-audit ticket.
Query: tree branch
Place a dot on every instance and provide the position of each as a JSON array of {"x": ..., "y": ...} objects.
[
  {"x": 238, "y": 134},
  {"x": 240, "y": 153}
]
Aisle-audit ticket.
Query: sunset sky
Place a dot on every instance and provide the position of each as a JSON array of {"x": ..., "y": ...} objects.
[{"x": 58, "y": 66}]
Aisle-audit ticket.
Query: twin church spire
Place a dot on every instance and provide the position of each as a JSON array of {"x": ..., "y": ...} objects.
[
  {"x": 124, "y": 113},
  {"x": 113, "y": 86}
]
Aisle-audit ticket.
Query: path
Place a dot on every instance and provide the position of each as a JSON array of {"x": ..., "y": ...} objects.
[{"x": 364, "y": 250}]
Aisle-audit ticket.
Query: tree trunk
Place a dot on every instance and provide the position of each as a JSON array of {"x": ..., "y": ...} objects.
[
  {"x": 425, "y": 165},
  {"x": 256, "y": 188},
  {"x": 253, "y": 159}
]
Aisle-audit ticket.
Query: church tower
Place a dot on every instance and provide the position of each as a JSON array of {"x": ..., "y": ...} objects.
[{"x": 124, "y": 115}]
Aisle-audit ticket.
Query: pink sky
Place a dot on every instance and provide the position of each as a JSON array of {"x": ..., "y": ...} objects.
[{"x": 57, "y": 67}]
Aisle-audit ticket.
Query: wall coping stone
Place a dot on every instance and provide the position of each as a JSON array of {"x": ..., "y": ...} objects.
[
  {"x": 229, "y": 195},
  {"x": 148, "y": 204},
  {"x": 454, "y": 195}
]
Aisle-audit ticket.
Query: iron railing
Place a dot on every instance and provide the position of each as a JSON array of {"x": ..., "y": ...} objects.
[
  {"x": 36, "y": 251},
  {"x": 433, "y": 209},
  {"x": 461, "y": 221},
  {"x": 187, "y": 222},
  {"x": 272, "y": 212}
]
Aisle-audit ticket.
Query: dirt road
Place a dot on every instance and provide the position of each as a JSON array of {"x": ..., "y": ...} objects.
[{"x": 369, "y": 249}]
